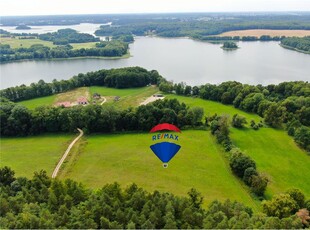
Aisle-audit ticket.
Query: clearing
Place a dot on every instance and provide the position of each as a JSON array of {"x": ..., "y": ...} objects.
[
  {"x": 25, "y": 155},
  {"x": 272, "y": 33},
  {"x": 212, "y": 107},
  {"x": 127, "y": 158},
  {"x": 277, "y": 155}
]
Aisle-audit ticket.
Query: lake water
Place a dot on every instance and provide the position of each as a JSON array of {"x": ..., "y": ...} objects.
[{"x": 178, "y": 59}]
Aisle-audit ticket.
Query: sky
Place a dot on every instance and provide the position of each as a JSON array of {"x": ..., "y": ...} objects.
[{"x": 54, "y": 7}]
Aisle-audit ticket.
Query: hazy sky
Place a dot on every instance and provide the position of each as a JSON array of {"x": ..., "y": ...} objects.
[{"x": 49, "y": 7}]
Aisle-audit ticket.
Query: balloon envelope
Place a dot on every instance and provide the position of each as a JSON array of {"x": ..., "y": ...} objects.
[
  {"x": 165, "y": 126},
  {"x": 165, "y": 151}
]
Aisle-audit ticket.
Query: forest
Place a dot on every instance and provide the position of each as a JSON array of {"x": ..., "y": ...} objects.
[
  {"x": 113, "y": 48},
  {"x": 299, "y": 44},
  {"x": 66, "y": 36},
  {"x": 42, "y": 202}
]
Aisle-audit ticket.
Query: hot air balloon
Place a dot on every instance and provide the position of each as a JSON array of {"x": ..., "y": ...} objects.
[{"x": 165, "y": 151}]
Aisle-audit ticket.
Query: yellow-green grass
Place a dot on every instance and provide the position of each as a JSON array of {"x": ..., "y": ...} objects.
[
  {"x": 127, "y": 158},
  {"x": 36, "y": 102},
  {"x": 25, "y": 43},
  {"x": 128, "y": 97},
  {"x": 25, "y": 155},
  {"x": 277, "y": 155},
  {"x": 15, "y": 42},
  {"x": 73, "y": 95},
  {"x": 211, "y": 107},
  {"x": 70, "y": 96}
]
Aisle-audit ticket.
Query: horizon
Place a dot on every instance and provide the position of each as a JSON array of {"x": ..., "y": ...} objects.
[{"x": 80, "y": 7}]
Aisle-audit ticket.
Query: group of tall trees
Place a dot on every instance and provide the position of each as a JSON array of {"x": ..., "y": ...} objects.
[
  {"x": 127, "y": 77},
  {"x": 286, "y": 103},
  {"x": 17, "y": 120},
  {"x": 300, "y": 44},
  {"x": 66, "y": 36},
  {"x": 45, "y": 203},
  {"x": 113, "y": 48}
]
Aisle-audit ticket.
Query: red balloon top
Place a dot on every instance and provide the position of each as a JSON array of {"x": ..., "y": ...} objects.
[{"x": 165, "y": 126}]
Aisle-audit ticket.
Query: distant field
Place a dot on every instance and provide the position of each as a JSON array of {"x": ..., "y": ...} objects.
[
  {"x": 25, "y": 155},
  {"x": 127, "y": 158},
  {"x": 128, "y": 97},
  {"x": 26, "y": 43},
  {"x": 277, "y": 155},
  {"x": 272, "y": 33},
  {"x": 73, "y": 95},
  {"x": 211, "y": 107}
]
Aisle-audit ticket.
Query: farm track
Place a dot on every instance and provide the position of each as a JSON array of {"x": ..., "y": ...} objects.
[{"x": 54, "y": 175}]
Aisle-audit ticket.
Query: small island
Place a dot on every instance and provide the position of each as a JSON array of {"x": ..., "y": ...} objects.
[
  {"x": 23, "y": 27},
  {"x": 229, "y": 46}
]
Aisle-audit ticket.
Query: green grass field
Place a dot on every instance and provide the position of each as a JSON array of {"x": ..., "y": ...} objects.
[
  {"x": 277, "y": 155},
  {"x": 127, "y": 158},
  {"x": 25, "y": 155},
  {"x": 128, "y": 97},
  {"x": 26, "y": 43},
  {"x": 212, "y": 107},
  {"x": 36, "y": 102}
]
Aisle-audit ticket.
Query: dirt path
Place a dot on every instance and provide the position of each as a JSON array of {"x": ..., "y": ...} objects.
[
  {"x": 104, "y": 100},
  {"x": 151, "y": 99},
  {"x": 66, "y": 153}
]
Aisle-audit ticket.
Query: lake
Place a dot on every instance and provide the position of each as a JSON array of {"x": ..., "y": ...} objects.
[{"x": 178, "y": 59}]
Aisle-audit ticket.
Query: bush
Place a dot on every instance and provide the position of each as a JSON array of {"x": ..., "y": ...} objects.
[
  {"x": 238, "y": 121},
  {"x": 240, "y": 162}
]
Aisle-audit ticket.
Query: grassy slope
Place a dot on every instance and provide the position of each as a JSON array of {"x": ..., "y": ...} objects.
[
  {"x": 128, "y": 97},
  {"x": 211, "y": 107},
  {"x": 33, "y": 103},
  {"x": 26, "y": 155},
  {"x": 277, "y": 155},
  {"x": 127, "y": 158}
]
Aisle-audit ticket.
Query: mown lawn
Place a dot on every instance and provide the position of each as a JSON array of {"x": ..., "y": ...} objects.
[
  {"x": 276, "y": 155},
  {"x": 128, "y": 97},
  {"x": 211, "y": 107},
  {"x": 127, "y": 158},
  {"x": 25, "y": 155}
]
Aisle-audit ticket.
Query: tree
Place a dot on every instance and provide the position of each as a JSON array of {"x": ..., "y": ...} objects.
[
  {"x": 298, "y": 196},
  {"x": 238, "y": 121},
  {"x": 6, "y": 176},
  {"x": 259, "y": 184},
  {"x": 240, "y": 162},
  {"x": 281, "y": 206}
]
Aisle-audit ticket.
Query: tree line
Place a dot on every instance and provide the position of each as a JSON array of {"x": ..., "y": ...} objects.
[
  {"x": 299, "y": 44},
  {"x": 17, "y": 120},
  {"x": 45, "y": 203},
  {"x": 127, "y": 77},
  {"x": 287, "y": 103},
  {"x": 113, "y": 48}
]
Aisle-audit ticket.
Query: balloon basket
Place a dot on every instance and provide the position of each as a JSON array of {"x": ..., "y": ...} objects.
[{"x": 165, "y": 165}]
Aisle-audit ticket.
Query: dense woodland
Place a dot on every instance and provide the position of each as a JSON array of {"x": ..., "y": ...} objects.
[
  {"x": 42, "y": 202},
  {"x": 299, "y": 44},
  {"x": 200, "y": 25},
  {"x": 66, "y": 36}
]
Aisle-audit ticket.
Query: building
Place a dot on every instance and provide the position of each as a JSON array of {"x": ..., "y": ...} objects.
[
  {"x": 65, "y": 104},
  {"x": 82, "y": 101}
]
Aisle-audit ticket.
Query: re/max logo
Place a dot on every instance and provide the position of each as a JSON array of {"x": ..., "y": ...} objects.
[{"x": 165, "y": 136}]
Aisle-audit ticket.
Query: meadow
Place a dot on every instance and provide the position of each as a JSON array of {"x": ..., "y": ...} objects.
[
  {"x": 276, "y": 155},
  {"x": 15, "y": 42},
  {"x": 127, "y": 158},
  {"x": 272, "y": 33},
  {"x": 212, "y": 107},
  {"x": 25, "y": 155}
]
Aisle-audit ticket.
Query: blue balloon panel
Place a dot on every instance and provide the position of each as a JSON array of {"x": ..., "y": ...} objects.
[{"x": 165, "y": 151}]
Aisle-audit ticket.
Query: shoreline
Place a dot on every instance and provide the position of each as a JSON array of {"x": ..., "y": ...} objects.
[{"x": 294, "y": 49}]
